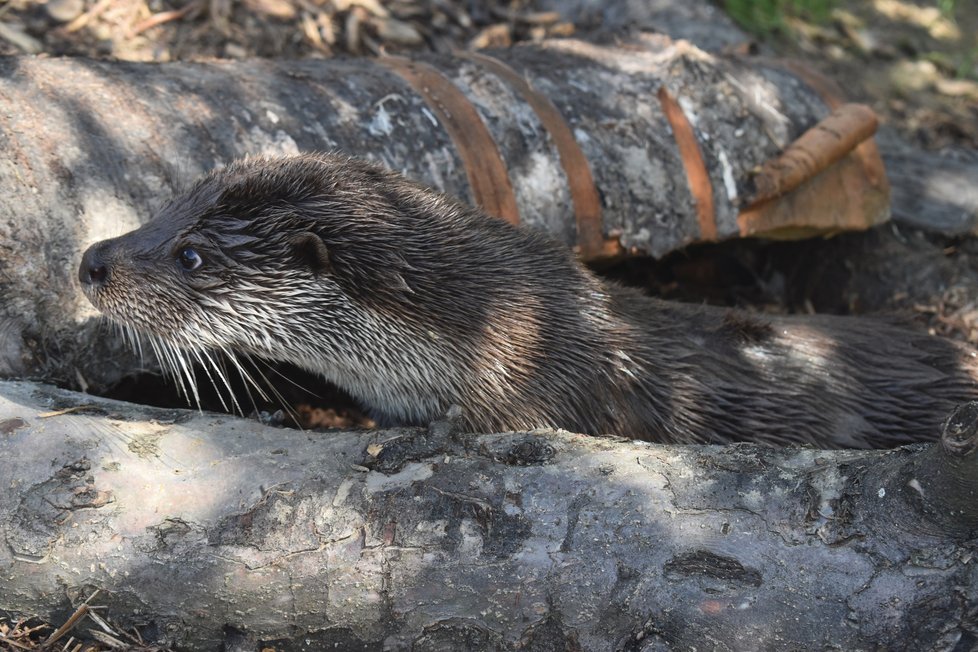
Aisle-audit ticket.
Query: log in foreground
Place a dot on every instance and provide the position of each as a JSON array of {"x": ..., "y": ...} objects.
[
  {"x": 569, "y": 137},
  {"x": 199, "y": 527}
]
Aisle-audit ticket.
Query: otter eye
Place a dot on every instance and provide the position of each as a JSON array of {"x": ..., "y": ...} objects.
[{"x": 190, "y": 259}]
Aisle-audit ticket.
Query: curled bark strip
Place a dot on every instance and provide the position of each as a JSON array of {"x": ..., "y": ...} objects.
[
  {"x": 696, "y": 173},
  {"x": 484, "y": 165},
  {"x": 832, "y": 94},
  {"x": 584, "y": 194},
  {"x": 818, "y": 148},
  {"x": 853, "y": 192},
  {"x": 842, "y": 198}
]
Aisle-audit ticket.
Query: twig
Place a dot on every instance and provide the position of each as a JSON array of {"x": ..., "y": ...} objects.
[
  {"x": 80, "y": 613},
  {"x": 93, "y": 614},
  {"x": 89, "y": 15},
  {"x": 58, "y": 413},
  {"x": 13, "y": 643},
  {"x": 163, "y": 17}
]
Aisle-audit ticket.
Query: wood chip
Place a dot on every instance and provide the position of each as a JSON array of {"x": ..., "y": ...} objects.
[
  {"x": 277, "y": 9},
  {"x": 161, "y": 18},
  {"x": 64, "y": 11},
  {"x": 957, "y": 88},
  {"x": 68, "y": 410},
  {"x": 311, "y": 31},
  {"x": 371, "y": 6},
  {"x": 392, "y": 30},
  {"x": 352, "y": 29},
  {"x": 326, "y": 28},
  {"x": 561, "y": 30},
  {"x": 494, "y": 36}
]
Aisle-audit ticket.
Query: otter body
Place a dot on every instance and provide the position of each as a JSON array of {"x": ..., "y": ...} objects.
[{"x": 414, "y": 302}]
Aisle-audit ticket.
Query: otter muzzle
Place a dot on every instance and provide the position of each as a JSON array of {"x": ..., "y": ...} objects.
[{"x": 94, "y": 270}]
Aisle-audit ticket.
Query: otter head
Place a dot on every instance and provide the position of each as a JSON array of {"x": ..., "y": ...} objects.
[
  {"x": 263, "y": 257},
  {"x": 403, "y": 297}
]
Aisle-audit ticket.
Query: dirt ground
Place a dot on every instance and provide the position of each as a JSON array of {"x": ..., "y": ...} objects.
[{"x": 916, "y": 64}]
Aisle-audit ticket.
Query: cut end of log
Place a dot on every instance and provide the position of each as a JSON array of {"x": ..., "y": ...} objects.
[
  {"x": 959, "y": 437},
  {"x": 940, "y": 483}
]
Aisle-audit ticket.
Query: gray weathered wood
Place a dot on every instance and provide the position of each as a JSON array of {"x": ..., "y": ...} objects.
[
  {"x": 207, "y": 526},
  {"x": 934, "y": 191}
]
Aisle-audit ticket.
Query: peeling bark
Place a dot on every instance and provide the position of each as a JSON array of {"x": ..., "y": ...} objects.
[{"x": 209, "y": 529}]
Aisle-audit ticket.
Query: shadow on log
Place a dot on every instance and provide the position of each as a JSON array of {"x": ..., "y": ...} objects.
[{"x": 202, "y": 527}]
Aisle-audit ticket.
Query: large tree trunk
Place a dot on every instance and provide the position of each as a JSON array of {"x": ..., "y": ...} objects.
[
  {"x": 640, "y": 149},
  {"x": 199, "y": 527}
]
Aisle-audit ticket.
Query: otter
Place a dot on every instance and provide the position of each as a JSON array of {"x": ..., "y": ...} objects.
[{"x": 414, "y": 302}]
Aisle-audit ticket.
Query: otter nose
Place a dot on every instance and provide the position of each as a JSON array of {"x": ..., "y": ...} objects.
[{"x": 93, "y": 270}]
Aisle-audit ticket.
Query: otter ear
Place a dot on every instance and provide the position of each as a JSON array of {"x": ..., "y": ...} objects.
[{"x": 310, "y": 250}]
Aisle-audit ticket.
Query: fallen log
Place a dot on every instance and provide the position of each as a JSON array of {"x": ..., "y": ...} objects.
[
  {"x": 197, "y": 529},
  {"x": 933, "y": 191},
  {"x": 637, "y": 149}
]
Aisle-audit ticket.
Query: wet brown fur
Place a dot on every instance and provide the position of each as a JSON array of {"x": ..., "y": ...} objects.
[{"x": 414, "y": 302}]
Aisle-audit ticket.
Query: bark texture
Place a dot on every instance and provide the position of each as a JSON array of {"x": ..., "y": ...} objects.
[
  {"x": 91, "y": 148},
  {"x": 934, "y": 191},
  {"x": 204, "y": 528}
]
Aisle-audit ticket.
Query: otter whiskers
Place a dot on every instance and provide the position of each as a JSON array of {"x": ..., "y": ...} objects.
[{"x": 176, "y": 362}]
